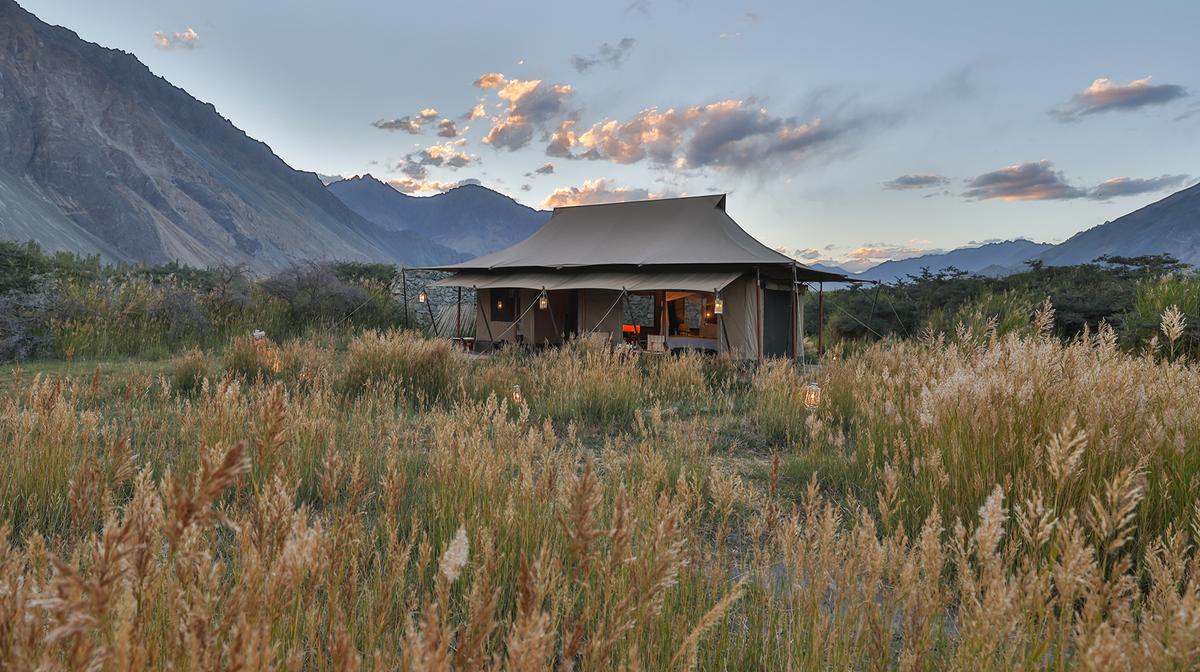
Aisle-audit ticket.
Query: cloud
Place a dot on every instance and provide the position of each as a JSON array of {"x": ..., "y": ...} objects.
[
  {"x": 531, "y": 104},
  {"x": 562, "y": 140},
  {"x": 406, "y": 124},
  {"x": 490, "y": 80},
  {"x": 526, "y": 187},
  {"x": 728, "y": 134},
  {"x": 805, "y": 254},
  {"x": 1130, "y": 186},
  {"x": 907, "y": 182},
  {"x": 642, "y": 6},
  {"x": 1040, "y": 182},
  {"x": 188, "y": 39},
  {"x": 596, "y": 191},
  {"x": 606, "y": 54},
  {"x": 413, "y": 170},
  {"x": 1105, "y": 96},
  {"x": 446, "y": 155},
  {"x": 447, "y": 129},
  {"x": 410, "y": 185},
  {"x": 545, "y": 169},
  {"x": 1023, "y": 182},
  {"x": 475, "y": 112},
  {"x": 409, "y": 124},
  {"x": 886, "y": 251}
]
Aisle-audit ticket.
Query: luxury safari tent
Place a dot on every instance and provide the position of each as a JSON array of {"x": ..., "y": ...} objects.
[{"x": 663, "y": 275}]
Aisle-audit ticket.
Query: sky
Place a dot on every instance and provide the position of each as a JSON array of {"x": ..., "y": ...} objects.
[{"x": 844, "y": 132}]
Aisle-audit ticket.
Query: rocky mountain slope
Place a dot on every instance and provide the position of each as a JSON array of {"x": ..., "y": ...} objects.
[
  {"x": 470, "y": 218},
  {"x": 1171, "y": 225},
  {"x": 100, "y": 156}
]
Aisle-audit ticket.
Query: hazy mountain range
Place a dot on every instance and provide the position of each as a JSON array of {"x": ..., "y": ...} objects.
[
  {"x": 100, "y": 156},
  {"x": 1171, "y": 226},
  {"x": 469, "y": 218}
]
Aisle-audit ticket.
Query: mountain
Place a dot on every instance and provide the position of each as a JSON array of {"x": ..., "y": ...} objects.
[
  {"x": 990, "y": 259},
  {"x": 469, "y": 218},
  {"x": 828, "y": 268},
  {"x": 1171, "y": 225},
  {"x": 100, "y": 156}
]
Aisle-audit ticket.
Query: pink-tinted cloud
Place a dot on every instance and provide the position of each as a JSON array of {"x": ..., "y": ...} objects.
[
  {"x": 1023, "y": 182},
  {"x": 188, "y": 39},
  {"x": 728, "y": 134},
  {"x": 1106, "y": 96},
  {"x": 597, "y": 191},
  {"x": 527, "y": 105}
]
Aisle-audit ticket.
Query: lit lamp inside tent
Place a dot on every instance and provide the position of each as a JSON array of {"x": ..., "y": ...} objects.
[
  {"x": 543, "y": 302},
  {"x": 422, "y": 296},
  {"x": 517, "y": 397},
  {"x": 812, "y": 395},
  {"x": 719, "y": 305}
]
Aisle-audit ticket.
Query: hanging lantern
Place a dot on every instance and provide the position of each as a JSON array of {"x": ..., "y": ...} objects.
[
  {"x": 812, "y": 395},
  {"x": 499, "y": 304},
  {"x": 517, "y": 397},
  {"x": 543, "y": 302},
  {"x": 719, "y": 306},
  {"x": 422, "y": 296}
]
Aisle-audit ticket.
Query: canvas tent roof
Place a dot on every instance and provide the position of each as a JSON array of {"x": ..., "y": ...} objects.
[
  {"x": 633, "y": 280},
  {"x": 674, "y": 231}
]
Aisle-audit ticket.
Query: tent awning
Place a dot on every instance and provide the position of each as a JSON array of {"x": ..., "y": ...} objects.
[{"x": 634, "y": 281}]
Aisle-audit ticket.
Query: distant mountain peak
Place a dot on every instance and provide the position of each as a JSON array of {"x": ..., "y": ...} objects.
[{"x": 470, "y": 217}]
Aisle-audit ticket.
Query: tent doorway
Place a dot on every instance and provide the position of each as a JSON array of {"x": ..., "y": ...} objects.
[{"x": 777, "y": 328}]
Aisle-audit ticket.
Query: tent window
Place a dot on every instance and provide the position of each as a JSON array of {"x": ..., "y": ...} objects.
[{"x": 504, "y": 305}]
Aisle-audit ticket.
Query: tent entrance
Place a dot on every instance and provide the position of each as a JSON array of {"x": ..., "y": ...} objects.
[{"x": 777, "y": 328}]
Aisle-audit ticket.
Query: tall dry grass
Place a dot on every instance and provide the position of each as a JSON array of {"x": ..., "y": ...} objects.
[{"x": 1017, "y": 502}]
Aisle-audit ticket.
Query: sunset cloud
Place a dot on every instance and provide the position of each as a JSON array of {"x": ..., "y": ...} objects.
[
  {"x": 409, "y": 124},
  {"x": 596, "y": 191},
  {"x": 188, "y": 39},
  {"x": 1040, "y": 182},
  {"x": 531, "y": 105},
  {"x": 1104, "y": 96},
  {"x": 410, "y": 185},
  {"x": 909, "y": 182},
  {"x": 477, "y": 112},
  {"x": 1131, "y": 186},
  {"x": 606, "y": 54},
  {"x": 545, "y": 169},
  {"x": 1023, "y": 182},
  {"x": 447, "y": 129},
  {"x": 446, "y": 155},
  {"x": 877, "y": 252},
  {"x": 728, "y": 134}
]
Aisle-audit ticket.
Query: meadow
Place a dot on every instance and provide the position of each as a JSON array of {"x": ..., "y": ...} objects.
[{"x": 376, "y": 500}]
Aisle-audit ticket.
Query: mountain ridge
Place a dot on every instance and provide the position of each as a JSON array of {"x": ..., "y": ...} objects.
[
  {"x": 99, "y": 155},
  {"x": 1170, "y": 225},
  {"x": 470, "y": 217}
]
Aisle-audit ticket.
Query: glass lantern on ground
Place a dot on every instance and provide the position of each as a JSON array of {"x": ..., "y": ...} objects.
[{"x": 812, "y": 396}]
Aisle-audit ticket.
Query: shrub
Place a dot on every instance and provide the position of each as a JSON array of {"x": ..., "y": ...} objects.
[
  {"x": 252, "y": 358},
  {"x": 305, "y": 361},
  {"x": 429, "y": 369},
  {"x": 189, "y": 371}
]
